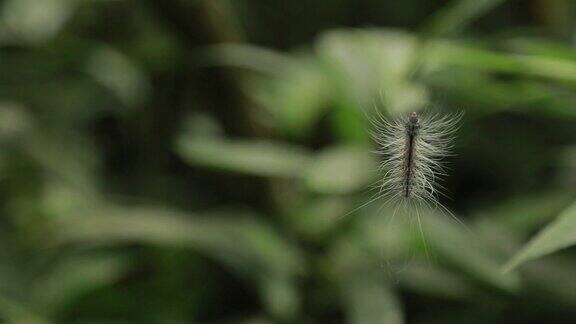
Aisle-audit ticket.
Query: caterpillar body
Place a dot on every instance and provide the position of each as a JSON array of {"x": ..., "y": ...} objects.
[{"x": 413, "y": 149}]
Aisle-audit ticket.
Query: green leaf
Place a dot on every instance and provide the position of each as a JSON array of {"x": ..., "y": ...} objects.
[
  {"x": 280, "y": 296},
  {"x": 524, "y": 214},
  {"x": 457, "y": 15},
  {"x": 253, "y": 157},
  {"x": 432, "y": 280},
  {"x": 14, "y": 312},
  {"x": 444, "y": 53},
  {"x": 371, "y": 300},
  {"x": 240, "y": 241},
  {"x": 448, "y": 240},
  {"x": 298, "y": 97},
  {"x": 372, "y": 65},
  {"x": 341, "y": 169},
  {"x": 118, "y": 74},
  {"x": 74, "y": 276},
  {"x": 32, "y": 21},
  {"x": 316, "y": 219},
  {"x": 296, "y": 90},
  {"x": 369, "y": 68},
  {"x": 250, "y": 248},
  {"x": 15, "y": 122},
  {"x": 250, "y": 57},
  {"x": 367, "y": 295},
  {"x": 541, "y": 47},
  {"x": 466, "y": 251},
  {"x": 559, "y": 234}
]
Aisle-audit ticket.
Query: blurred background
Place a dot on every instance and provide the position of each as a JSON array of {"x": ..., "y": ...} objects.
[{"x": 203, "y": 161}]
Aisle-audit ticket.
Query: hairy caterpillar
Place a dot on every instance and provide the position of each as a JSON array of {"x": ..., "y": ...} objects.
[{"x": 412, "y": 148}]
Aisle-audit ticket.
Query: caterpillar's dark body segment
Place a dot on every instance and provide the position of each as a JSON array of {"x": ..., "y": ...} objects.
[{"x": 411, "y": 132}]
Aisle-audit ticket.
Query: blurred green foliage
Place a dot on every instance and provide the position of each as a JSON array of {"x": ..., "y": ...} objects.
[{"x": 209, "y": 161}]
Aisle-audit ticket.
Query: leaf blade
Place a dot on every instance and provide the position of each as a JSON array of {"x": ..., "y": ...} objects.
[{"x": 559, "y": 234}]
